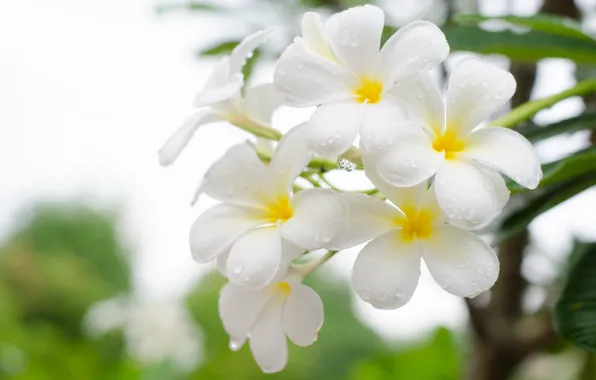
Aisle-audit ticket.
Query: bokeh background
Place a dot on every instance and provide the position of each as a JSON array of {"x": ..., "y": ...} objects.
[{"x": 96, "y": 278}]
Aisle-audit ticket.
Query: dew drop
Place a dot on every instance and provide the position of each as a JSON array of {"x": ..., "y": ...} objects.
[
  {"x": 235, "y": 345},
  {"x": 346, "y": 165}
]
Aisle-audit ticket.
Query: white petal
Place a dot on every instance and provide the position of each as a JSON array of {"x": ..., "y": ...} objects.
[
  {"x": 508, "y": 152},
  {"x": 460, "y": 262},
  {"x": 216, "y": 229},
  {"x": 383, "y": 124},
  {"x": 502, "y": 193},
  {"x": 260, "y": 102},
  {"x": 465, "y": 194},
  {"x": 355, "y": 37},
  {"x": 314, "y": 35},
  {"x": 302, "y": 314},
  {"x": 412, "y": 159},
  {"x": 408, "y": 197},
  {"x": 418, "y": 47},
  {"x": 244, "y": 49},
  {"x": 267, "y": 338},
  {"x": 239, "y": 309},
  {"x": 318, "y": 216},
  {"x": 305, "y": 78},
  {"x": 219, "y": 94},
  {"x": 220, "y": 74},
  {"x": 239, "y": 176},
  {"x": 476, "y": 90},
  {"x": 386, "y": 271},
  {"x": 255, "y": 258},
  {"x": 290, "y": 158},
  {"x": 179, "y": 140},
  {"x": 423, "y": 100},
  {"x": 431, "y": 206},
  {"x": 221, "y": 262},
  {"x": 368, "y": 218},
  {"x": 334, "y": 126}
]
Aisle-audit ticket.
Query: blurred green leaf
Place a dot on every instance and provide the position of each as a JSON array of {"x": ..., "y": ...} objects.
[
  {"x": 527, "y": 110},
  {"x": 551, "y": 197},
  {"x": 575, "y": 312},
  {"x": 536, "y": 133},
  {"x": 548, "y": 23},
  {"x": 564, "y": 169},
  {"x": 531, "y": 46},
  {"x": 191, "y": 6},
  {"x": 221, "y": 48}
]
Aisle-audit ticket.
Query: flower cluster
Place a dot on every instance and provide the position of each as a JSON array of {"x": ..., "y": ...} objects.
[{"x": 436, "y": 170}]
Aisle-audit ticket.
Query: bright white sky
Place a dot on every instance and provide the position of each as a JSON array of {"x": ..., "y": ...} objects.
[{"x": 90, "y": 89}]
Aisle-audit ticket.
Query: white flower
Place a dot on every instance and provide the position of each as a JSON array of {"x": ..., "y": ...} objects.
[
  {"x": 339, "y": 67},
  {"x": 261, "y": 226},
  {"x": 466, "y": 159},
  {"x": 154, "y": 330},
  {"x": 267, "y": 315},
  {"x": 387, "y": 269},
  {"x": 222, "y": 95}
]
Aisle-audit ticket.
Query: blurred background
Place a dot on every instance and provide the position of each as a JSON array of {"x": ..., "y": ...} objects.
[{"x": 96, "y": 278}]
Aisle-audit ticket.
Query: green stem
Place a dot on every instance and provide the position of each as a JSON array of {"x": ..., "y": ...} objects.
[{"x": 310, "y": 267}]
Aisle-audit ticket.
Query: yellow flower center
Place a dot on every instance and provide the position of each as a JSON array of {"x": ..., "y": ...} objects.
[
  {"x": 279, "y": 210},
  {"x": 415, "y": 224},
  {"x": 448, "y": 143},
  {"x": 370, "y": 91},
  {"x": 284, "y": 287}
]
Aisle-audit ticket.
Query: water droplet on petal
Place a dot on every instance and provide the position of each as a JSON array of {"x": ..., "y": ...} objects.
[{"x": 235, "y": 345}]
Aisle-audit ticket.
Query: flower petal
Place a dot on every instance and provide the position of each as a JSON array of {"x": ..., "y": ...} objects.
[
  {"x": 245, "y": 49},
  {"x": 305, "y": 78},
  {"x": 383, "y": 123},
  {"x": 465, "y": 194},
  {"x": 238, "y": 177},
  {"x": 408, "y": 197},
  {"x": 255, "y": 258},
  {"x": 418, "y": 47},
  {"x": 318, "y": 216},
  {"x": 461, "y": 262},
  {"x": 333, "y": 127},
  {"x": 314, "y": 34},
  {"x": 501, "y": 191},
  {"x": 368, "y": 218},
  {"x": 216, "y": 230},
  {"x": 412, "y": 159},
  {"x": 302, "y": 314},
  {"x": 260, "y": 102},
  {"x": 239, "y": 309},
  {"x": 268, "y": 341},
  {"x": 224, "y": 92},
  {"x": 290, "y": 158},
  {"x": 170, "y": 151},
  {"x": 476, "y": 90},
  {"x": 355, "y": 37},
  {"x": 508, "y": 152},
  {"x": 386, "y": 271},
  {"x": 423, "y": 100}
]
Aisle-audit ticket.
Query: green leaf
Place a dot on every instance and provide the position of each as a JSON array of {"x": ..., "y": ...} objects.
[
  {"x": 531, "y": 46},
  {"x": 553, "y": 196},
  {"x": 564, "y": 169},
  {"x": 527, "y": 110},
  {"x": 221, "y": 48},
  {"x": 536, "y": 133},
  {"x": 191, "y": 6},
  {"x": 575, "y": 312},
  {"x": 562, "y": 26}
]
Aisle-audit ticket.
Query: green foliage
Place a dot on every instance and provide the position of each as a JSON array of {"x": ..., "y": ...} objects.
[
  {"x": 189, "y": 6},
  {"x": 535, "y": 133},
  {"x": 575, "y": 313},
  {"x": 342, "y": 342},
  {"x": 220, "y": 48},
  {"x": 531, "y": 46},
  {"x": 550, "y": 197},
  {"x": 547, "y": 23},
  {"x": 437, "y": 359}
]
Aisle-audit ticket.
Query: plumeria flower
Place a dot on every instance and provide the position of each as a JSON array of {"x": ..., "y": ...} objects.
[
  {"x": 338, "y": 66},
  {"x": 222, "y": 95},
  {"x": 261, "y": 226},
  {"x": 267, "y": 316},
  {"x": 387, "y": 269},
  {"x": 464, "y": 159}
]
